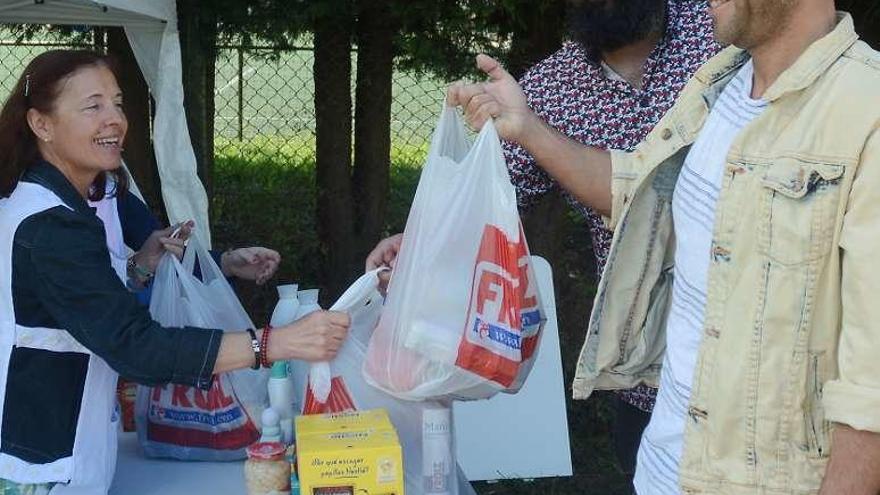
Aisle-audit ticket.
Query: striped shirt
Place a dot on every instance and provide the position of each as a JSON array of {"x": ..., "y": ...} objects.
[{"x": 693, "y": 212}]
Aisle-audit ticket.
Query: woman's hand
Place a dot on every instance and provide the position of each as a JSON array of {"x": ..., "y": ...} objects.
[
  {"x": 161, "y": 241},
  {"x": 316, "y": 337},
  {"x": 251, "y": 263}
]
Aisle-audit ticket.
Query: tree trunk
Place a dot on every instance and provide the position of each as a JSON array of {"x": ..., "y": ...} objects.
[
  {"x": 198, "y": 32},
  {"x": 335, "y": 208},
  {"x": 139, "y": 157},
  {"x": 372, "y": 128}
]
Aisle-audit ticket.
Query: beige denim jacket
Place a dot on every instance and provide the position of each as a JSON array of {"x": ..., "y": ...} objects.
[{"x": 791, "y": 339}]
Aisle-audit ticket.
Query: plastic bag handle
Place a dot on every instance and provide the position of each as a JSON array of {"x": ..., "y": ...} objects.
[
  {"x": 196, "y": 252},
  {"x": 450, "y": 136},
  {"x": 320, "y": 374}
]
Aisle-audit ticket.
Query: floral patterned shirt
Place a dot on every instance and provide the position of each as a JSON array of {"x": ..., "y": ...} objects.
[{"x": 584, "y": 100}]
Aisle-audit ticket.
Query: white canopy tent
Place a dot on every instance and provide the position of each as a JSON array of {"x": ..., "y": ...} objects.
[{"x": 151, "y": 28}]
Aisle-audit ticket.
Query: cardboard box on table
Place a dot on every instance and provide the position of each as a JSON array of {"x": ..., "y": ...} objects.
[
  {"x": 349, "y": 454},
  {"x": 376, "y": 419}
]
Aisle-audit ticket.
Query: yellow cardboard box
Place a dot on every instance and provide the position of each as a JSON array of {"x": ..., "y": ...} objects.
[
  {"x": 351, "y": 461},
  {"x": 376, "y": 419}
]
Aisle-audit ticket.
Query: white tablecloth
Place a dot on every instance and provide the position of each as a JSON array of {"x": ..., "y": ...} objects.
[{"x": 136, "y": 475}]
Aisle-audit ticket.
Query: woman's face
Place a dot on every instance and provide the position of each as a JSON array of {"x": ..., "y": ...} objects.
[{"x": 86, "y": 128}]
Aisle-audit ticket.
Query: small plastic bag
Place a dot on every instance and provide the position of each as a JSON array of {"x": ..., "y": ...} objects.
[
  {"x": 426, "y": 466},
  {"x": 363, "y": 303},
  {"x": 183, "y": 422},
  {"x": 463, "y": 316}
]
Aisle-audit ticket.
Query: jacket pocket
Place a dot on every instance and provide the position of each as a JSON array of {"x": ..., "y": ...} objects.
[
  {"x": 799, "y": 209},
  {"x": 817, "y": 428},
  {"x": 42, "y": 403}
]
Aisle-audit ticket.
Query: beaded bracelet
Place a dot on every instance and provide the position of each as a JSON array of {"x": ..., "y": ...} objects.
[{"x": 264, "y": 347}]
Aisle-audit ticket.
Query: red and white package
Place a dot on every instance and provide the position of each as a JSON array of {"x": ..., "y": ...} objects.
[{"x": 189, "y": 423}]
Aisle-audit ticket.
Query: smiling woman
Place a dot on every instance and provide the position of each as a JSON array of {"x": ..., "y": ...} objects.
[
  {"x": 68, "y": 324},
  {"x": 66, "y": 108}
]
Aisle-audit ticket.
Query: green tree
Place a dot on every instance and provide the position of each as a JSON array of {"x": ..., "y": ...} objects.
[{"x": 353, "y": 134}]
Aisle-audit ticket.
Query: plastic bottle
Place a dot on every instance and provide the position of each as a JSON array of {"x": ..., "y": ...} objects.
[
  {"x": 287, "y": 307},
  {"x": 281, "y": 399},
  {"x": 438, "y": 469},
  {"x": 294, "y": 483},
  {"x": 294, "y": 480},
  {"x": 308, "y": 302},
  {"x": 269, "y": 421},
  {"x": 280, "y": 385}
]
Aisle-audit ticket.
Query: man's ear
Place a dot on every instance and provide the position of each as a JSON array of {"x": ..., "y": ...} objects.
[{"x": 39, "y": 124}]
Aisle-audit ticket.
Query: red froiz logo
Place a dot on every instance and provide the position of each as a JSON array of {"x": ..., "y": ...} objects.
[
  {"x": 504, "y": 315},
  {"x": 190, "y": 417},
  {"x": 339, "y": 400}
]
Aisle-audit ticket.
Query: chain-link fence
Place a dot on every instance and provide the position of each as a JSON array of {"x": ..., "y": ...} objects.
[
  {"x": 264, "y": 106},
  {"x": 14, "y": 56},
  {"x": 264, "y": 101}
]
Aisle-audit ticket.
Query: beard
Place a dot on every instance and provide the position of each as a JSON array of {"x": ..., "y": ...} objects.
[
  {"x": 606, "y": 25},
  {"x": 748, "y": 23}
]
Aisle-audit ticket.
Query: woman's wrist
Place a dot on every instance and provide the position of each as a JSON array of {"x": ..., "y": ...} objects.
[
  {"x": 137, "y": 273},
  {"x": 274, "y": 344}
]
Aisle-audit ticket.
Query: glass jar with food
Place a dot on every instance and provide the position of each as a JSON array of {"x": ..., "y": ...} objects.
[{"x": 267, "y": 471}]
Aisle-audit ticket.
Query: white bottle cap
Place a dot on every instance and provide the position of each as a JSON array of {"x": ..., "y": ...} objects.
[{"x": 287, "y": 291}]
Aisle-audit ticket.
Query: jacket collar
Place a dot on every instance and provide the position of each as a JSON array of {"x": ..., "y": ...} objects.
[
  {"x": 814, "y": 62},
  {"x": 48, "y": 176}
]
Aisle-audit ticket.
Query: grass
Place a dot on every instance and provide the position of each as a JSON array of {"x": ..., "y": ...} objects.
[{"x": 264, "y": 194}]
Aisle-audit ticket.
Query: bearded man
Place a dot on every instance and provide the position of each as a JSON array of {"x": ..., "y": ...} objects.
[
  {"x": 608, "y": 87},
  {"x": 743, "y": 270}
]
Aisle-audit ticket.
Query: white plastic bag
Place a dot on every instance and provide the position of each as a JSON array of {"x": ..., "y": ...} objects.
[
  {"x": 463, "y": 315},
  {"x": 184, "y": 422},
  {"x": 363, "y": 303},
  {"x": 350, "y": 391}
]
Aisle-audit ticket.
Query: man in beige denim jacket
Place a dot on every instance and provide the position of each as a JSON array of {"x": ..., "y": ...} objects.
[{"x": 788, "y": 371}]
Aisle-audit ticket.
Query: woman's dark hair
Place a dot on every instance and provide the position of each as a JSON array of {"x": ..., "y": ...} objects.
[{"x": 38, "y": 87}]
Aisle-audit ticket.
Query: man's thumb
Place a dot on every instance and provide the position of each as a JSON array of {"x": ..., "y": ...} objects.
[{"x": 492, "y": 68}]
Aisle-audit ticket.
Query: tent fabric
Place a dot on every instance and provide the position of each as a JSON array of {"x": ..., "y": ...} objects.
[
  {"x": 69, "y": 12},
  {"x": 151, "y": 28}
]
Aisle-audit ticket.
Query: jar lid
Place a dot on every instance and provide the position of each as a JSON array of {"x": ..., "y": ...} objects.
[{"x": 266, "y": 451}]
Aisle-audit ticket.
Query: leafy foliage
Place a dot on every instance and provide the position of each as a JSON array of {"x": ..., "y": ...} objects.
[
  {"x": 440, "y": 38},
  {"x": 48, "y": 33}
]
